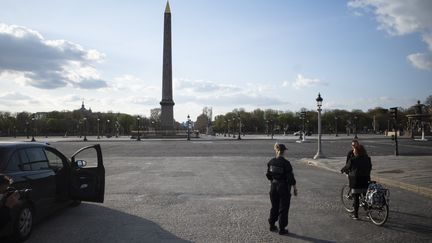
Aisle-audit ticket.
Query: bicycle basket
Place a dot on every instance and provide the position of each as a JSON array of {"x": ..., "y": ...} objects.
[{"x": 377, "y": 195}]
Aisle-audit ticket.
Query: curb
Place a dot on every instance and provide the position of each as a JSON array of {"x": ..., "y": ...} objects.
[{"x": 389, "y": 182}]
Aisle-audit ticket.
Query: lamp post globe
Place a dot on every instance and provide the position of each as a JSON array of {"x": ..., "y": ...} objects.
[{"x": 319, "y": 101}]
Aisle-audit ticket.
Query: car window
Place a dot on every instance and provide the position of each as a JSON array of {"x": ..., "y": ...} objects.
[
  {"x": 37, "y": 158},
  {"x": 24, "y": 165},
  {"x": 54, "y": 160},
  {"x": 14, "y": 161},
  {"x": 89, "y": 156}
]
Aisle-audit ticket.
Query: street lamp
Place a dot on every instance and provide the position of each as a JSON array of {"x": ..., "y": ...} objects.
[
  {"x": 268, "y": 127},
  {"x": 108, "y": 132},
  {"x": 229, "y": 135},
  {"x": 27, "y": 128},
  {"x": 302, "y": 134},
  {"x": 117, "y": 126},
  {"x": 98, "y": 120},
  {"x": 188, "y": 127},
  {"x": 355, "y": 126},
  {"x": 33, "y": 130},
  {"x": 85, "y": 129},
  {"x": 240, "y": 125},
  {"x": 139, "y": 135},
  {"x": 234, "y": 125},
  {"x": 336, "y": 129},
  {"x": 225, "y": 127},
  {"x": 319, "y": 101}
]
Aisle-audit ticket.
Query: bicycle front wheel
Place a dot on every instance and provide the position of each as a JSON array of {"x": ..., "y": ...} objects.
[
  {"x": 379, "y": 215},
  {"x": 346, "y": 198}
]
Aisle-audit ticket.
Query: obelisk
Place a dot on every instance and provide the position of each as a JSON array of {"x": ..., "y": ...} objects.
[{"x": 167, "y": 103}]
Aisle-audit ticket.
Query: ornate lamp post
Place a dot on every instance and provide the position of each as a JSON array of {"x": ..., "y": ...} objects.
[
  {"x": 117, "y": 127},
  {"x": 394, "y": 112},
  {"x": 272, "y": 128},
  {"x": 85, "y": 129},
  {"x": 336, "y": 123},
  {"x": 27, "y": 128},
  {"x": 228, "y": 122},
  {"x": 108, "y": 132},
  {"x": 98, "y": 120},
  {"x": 139, "y": 135},
  {"x": 239, "y": 129},
  {"x": 355, "y": 126},
  {"x": 303, "y": 133},
  {"x": 188, "y": 127},
  {"x": 33, "y": 130},
  {"x": 226, "y": 127},
  {"x": 233, "y": 126},
  {"x": 268, "y": 127},
  {"x": 319, "y": 101}
]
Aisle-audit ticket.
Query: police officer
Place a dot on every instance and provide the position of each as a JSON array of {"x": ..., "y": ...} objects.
[{"x": 280, "y": 173}]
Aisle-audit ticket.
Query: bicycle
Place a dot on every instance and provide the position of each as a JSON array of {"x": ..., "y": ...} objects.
[{"x": 375, "y": 202}]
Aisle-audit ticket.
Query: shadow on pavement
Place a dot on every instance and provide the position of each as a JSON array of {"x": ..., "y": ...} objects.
[
  {"x": 96, "y": 223},
  {"x": 308, "y": 239},
  {"x": 410, "y": 223}
]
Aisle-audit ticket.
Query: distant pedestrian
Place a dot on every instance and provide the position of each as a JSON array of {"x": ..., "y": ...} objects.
[
  {"x": 280, "y": 173},
  {"x": 358, "y": 168}
]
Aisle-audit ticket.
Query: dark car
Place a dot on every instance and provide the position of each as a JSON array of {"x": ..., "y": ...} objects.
[{"x": 54, "y": 181}]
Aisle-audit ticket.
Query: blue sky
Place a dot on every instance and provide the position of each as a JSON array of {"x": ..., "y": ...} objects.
[{"x": 226, "y": 54}]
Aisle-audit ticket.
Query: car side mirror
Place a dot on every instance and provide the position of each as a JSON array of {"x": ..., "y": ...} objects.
[{"x": 81, "y": 163}]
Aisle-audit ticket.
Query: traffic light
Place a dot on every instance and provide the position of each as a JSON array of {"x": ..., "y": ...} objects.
[{"x": 393, "y": 112}]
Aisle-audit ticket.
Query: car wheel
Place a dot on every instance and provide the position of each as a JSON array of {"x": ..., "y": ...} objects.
[
  {"x": 75, "y": 203},
  {"x": 24, "y": 222}
]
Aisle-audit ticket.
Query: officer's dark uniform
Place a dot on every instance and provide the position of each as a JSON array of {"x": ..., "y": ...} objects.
[{"x": 280, "y": 173}]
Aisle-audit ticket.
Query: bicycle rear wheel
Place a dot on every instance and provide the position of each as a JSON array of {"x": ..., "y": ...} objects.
[
  {"x": 379, "y": 215},
  {"x": 346, "y": 198}
]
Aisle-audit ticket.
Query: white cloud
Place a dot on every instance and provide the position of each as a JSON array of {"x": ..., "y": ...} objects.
[
  {"x": 14, "y": 96},
  {"x": 202, "y": 86},
  {"x": 398, "y": 17},
  {"x": 421, "y": 60},
  {"x": 131, "y": 83},
  {"x": 428, "y": 39},
  {"x": 302, "y": 82},
  {"x": 47, "y": 64},
  {"x": 208, "y": 93},
  {"x": 402, "y": 17}
]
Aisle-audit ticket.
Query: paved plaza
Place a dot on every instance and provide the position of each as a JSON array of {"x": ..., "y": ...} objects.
[{"x": 214, "y": 189}]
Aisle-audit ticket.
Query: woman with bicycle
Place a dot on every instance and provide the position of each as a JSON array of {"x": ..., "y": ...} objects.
[{"x": 358, "y": 169}]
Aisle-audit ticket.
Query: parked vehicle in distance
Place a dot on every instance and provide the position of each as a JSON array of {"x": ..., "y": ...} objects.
[{"x": 54, "y": 181}]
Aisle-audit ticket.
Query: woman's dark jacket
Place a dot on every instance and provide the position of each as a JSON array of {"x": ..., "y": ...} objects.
[
  {"x": 358, "y": 169},
  {"x": 280, "y": 170}
]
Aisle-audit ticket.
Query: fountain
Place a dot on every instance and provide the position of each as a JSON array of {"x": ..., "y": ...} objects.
[{"x": 419, "y": 120}]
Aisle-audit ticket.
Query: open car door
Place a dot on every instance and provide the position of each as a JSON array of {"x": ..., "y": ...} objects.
[{"x": 87, "y": 175}]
